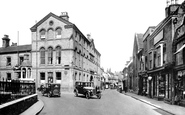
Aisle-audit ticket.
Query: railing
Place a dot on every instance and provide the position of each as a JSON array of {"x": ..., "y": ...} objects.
[{"x": 15, "y": 89}]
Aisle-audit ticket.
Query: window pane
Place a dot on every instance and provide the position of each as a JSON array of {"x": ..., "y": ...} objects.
[
  {"x": 50, "y": 33},
  {"x": 42, "y": 34},
  {"x": 58, "y": 55},
  {"x": 42, "y": 56},
  {"x": 58, "y": 75},
  {"x": 8, "y": 63},
  {"x": 50, "y": 56},
  {"x": 9, "y": 76},
  {"x": 58, "y": 31},
  {"x": 42, "y": 76}
]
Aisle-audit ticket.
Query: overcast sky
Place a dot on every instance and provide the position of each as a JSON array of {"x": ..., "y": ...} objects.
[{"x": 111, "y": 23}]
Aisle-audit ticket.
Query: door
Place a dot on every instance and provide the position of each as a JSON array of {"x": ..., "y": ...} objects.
[{"x": 50, "y": 77}]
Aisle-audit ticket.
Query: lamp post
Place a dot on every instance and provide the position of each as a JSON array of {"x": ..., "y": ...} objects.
[{"x": 149, "y": 80}]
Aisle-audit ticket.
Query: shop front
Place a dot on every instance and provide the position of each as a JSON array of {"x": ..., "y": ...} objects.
[
  {"x": 179, "y": 83},
  {"x": 159, "y": 84}
]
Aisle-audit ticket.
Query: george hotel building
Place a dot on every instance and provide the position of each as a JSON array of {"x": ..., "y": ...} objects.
[{"x": 60, "y": 53}]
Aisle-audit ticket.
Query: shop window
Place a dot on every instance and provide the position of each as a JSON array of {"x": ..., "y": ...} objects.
[
  {"x": 58, "y": 76},
  {"x": 50, "y": 77},
  {"x": 50, "y": 55},
  {"x": 58, "y": 55},
  {"x": 42, "y": 76},
  {"x": 42, "y": 56},
  {"x": 8, "y": 61}
]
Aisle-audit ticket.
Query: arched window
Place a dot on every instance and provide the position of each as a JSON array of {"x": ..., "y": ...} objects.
[
  {"x": 42, "y": 34},
  {"x": 50, "y": 55},
  {"x": 58, "y": 32},
  {"x": 58, "y": 55},
  {"x": 50, "y": 33},
  {"x": 42, "y": 56}
]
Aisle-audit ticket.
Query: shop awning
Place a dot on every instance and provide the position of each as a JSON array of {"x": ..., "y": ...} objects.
[{"x": 182, "y": 47}]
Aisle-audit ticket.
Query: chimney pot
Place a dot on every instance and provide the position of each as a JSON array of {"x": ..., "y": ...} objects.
[
  {"x": 64, "y": 15},
  {"x": 6, "y": 41}
]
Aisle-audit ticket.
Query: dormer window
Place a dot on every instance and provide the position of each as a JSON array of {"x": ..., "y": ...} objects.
[
  {"x": 42, "y": 34},
  {"x": 58, "y": 32}
]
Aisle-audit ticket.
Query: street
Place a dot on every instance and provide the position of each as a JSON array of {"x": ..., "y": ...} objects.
[{"x": 111, "y": 103}]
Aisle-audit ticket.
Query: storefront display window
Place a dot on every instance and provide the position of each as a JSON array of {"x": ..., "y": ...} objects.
[{"x": 161, "y": 85}]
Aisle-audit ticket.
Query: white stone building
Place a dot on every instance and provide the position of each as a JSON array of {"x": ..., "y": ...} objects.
[{"x": 62, "y": 54}]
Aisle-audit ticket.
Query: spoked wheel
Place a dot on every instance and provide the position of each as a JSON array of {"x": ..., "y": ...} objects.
[
  {"x": 76, "y": 93},
  {"x": 98, "y": 96},
  {"x": 87, "y": 95},
  {"x": 49, "y": 95}
]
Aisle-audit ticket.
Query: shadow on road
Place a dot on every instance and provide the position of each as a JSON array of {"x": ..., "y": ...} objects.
[{"x": 82, "y": 96}]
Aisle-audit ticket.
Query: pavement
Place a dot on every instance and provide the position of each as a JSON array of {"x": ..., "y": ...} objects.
[
  {"x": 172, "y": 109},
  {"x": 34, "y": 109}
]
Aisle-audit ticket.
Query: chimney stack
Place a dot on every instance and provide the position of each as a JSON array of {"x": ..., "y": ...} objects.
[
  {"x": 89, "y": 36},
  {"x": 6, "y": 41},
  {"x": 64, "y": 15},
  {"x": 172, "y": 6}
]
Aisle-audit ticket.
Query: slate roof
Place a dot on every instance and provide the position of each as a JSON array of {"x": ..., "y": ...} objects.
[
  {"x": 15, "y": 49},
  {"x": 139, "y": 39}
]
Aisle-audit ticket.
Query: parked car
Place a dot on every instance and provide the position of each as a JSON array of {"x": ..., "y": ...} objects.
[
  {"x": 87, "y": 89},
  {"x": 51, "y": 89},
  {"x": 40, "y": 88}
]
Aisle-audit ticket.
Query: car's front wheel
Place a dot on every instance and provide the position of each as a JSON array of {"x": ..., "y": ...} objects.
[
  {"x": 76, "y": 93},
  {"x": 87, "y": 95},
  {"x": 99, "y": 96}
]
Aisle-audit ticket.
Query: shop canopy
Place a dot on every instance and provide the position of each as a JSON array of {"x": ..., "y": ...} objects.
[{"x": 181, "y": 48}]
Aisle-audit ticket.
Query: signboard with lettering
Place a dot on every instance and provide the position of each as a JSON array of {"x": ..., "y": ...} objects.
[{"x": 158, "y": 37}]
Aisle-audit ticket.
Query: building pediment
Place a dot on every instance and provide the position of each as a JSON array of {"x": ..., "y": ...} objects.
[{"x": 34, "y": 28}]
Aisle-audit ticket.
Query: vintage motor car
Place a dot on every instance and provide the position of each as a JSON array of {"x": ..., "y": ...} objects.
[
  {"x": 51, "y": 89},
  {"x": 87, "y": 89}
]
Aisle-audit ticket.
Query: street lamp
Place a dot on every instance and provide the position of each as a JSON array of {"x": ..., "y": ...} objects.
[{"x": 150, "y": 78}]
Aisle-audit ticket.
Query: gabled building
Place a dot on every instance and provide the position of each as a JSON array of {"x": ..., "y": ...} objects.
[
  {"x": 179, "y": 58},
  {"x": 62, "y": 54},
  {"x": 15, "y": 61},
  {"x": 137, "y": 52},
  {"x": 142, "y": 61},
  {"x": 160, "y": 66}
]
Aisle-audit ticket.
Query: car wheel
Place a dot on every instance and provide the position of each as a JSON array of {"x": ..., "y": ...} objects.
[
  {"x": 99, "y": 96},
  {"x": 49, "y": 95},
  {"x": 87, "y": 95},
  {"x": 76, "y": 93}
]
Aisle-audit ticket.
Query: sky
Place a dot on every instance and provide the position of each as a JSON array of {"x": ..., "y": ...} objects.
[{"x": 111, "y": 23}]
